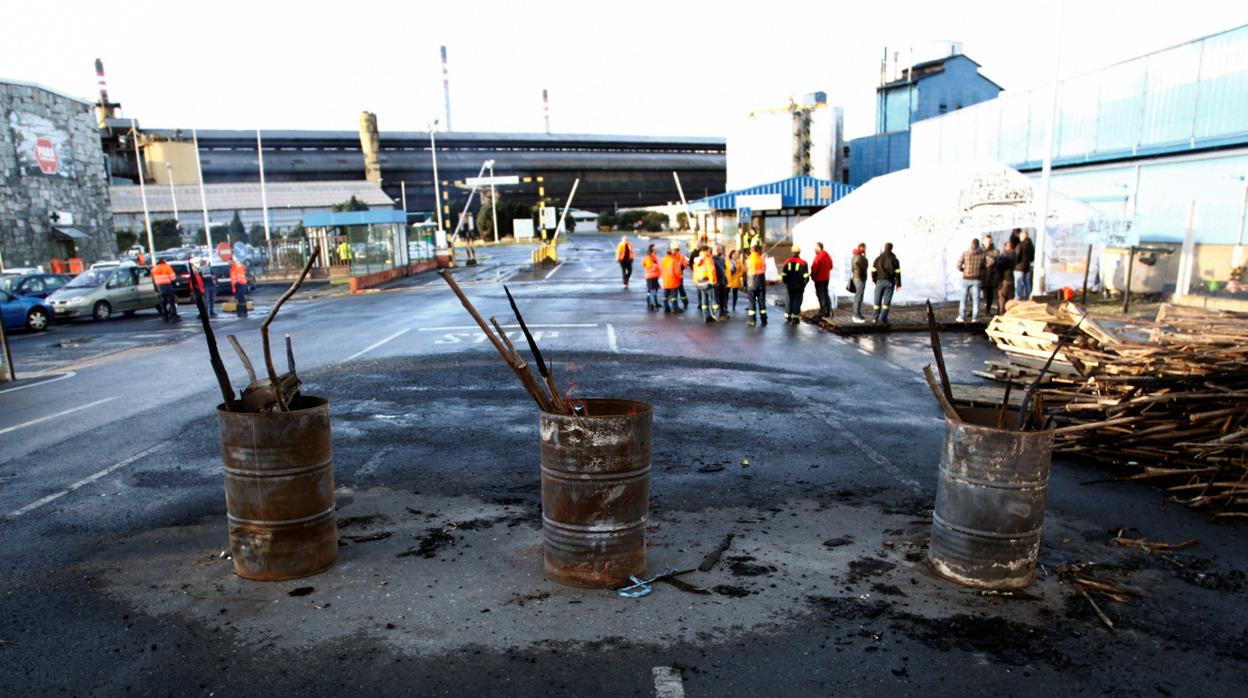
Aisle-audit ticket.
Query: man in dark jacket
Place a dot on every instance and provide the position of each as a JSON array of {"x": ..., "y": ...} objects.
[
  {"x": 1024, "y": 260},
  {"x": 721, "y": 280},
  {"x": 859, "y": 279},
  {"x": 795, "y": 276},
  {"x": 886, "y": 274},
  {"x": 821, "y": 274},
  {"x": 991, "y": 278}
]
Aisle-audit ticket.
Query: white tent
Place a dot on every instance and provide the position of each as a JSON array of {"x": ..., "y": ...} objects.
[{"x": 932, "y": 213}]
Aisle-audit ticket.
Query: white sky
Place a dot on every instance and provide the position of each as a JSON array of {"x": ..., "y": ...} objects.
[{"x": 635, "y": 67}]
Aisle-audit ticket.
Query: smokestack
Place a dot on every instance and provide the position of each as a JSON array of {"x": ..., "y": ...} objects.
[
  {"x": 546, "y": 109},
  {"x": 896, "y": 65},
  {"x": 446, "y": 89},
  {"x": 884, "y": 67},
  {"x": 104, "y": 109},
  {"x": 370, "y": 146}
]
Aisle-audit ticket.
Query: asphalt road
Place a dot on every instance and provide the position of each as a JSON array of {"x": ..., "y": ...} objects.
[{"x": 113, "y": 518}]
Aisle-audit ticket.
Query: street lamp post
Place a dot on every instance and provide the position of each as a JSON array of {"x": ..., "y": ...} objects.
[
  {"x": 494, "y": 200},
  {"x": 173, "y": 195}
]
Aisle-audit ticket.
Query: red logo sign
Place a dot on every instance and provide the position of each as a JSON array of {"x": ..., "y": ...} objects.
[
  {"x": 45, "y": 155},
  {"x": 224, "y": 252}
]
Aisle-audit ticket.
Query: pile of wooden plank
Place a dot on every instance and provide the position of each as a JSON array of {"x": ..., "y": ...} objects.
[{"x": 1167, "y": 400}]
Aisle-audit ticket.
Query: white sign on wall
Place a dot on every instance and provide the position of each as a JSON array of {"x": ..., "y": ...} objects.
[
  {"x": 522, "y": 228},
  {"x": 759, "y": 202}
]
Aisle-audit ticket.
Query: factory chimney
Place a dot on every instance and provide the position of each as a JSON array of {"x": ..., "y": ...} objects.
[
  {"x": 546, "y": 110},
  {"x": 446, "y": 89},
  {"x": 370, "y": 146},
  {"x": 105, "y": 109}
]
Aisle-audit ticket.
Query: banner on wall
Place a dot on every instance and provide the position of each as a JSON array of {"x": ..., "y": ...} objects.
[{"x": 42, "y": 147}]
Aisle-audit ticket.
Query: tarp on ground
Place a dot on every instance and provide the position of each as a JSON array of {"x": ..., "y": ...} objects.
[{"x": 932, "y": 213}]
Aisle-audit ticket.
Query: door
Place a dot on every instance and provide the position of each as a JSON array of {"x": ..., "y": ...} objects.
[
  {"x": 146, "y": 296},
  {"x": 122, "y": 293},
  {"x": 11, "y": 311},
  {"x": 32, "y": 286}
]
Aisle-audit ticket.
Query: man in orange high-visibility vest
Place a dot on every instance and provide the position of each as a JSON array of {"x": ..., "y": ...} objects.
[
  {"x": 704, "y": 277},
  {"x": 650, "y": 263},
  {"x": 624, "y": 254},
  {"x": 163, "y": 276},
  {"x": 671, "y": 270},
  {"x": 756, "y": 284},
  {"x": 238, "y": 284}
]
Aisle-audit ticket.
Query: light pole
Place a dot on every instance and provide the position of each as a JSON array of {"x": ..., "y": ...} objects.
[
  {"x": 147, "y": 216},
  {"x": 494, "y": 200},
  {"x": 440, "y": 238},
  {"x": 172, "y": 195}
]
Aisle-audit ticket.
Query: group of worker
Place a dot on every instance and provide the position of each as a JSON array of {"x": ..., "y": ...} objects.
[
  {"x": 203, "y": 283},
  {"x": 1000, "y": 275}
]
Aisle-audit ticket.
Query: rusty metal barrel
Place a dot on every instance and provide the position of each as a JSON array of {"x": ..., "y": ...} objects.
[
  {"x": 989, "y": 502},
  {"x": 279, "y": 490},
  {"x": 596, "y": 492}
]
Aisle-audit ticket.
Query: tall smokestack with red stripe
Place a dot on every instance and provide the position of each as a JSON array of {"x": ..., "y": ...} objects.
[
  {"x": 546, "y": 110},
  {"x": 105, "y": 109},
  {"x": 446, "y": 89}
]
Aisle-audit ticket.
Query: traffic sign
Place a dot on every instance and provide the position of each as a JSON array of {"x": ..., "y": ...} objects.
[{"x": 45, "y": 155}]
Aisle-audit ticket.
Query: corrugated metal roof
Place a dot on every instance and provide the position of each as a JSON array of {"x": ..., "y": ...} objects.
[
  {"x": 243, "y": 196},
  {"x": 330, "y": 220},
  {"x": 795, "y": 192}
]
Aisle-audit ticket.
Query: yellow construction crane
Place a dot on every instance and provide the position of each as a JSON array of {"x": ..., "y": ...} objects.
[{"x": 801, "y": 127}]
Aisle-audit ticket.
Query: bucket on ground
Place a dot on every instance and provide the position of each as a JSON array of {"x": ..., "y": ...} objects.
[
  {"x": 596, "y": 492},
  {"x": 279, "y": 490},
  {"x": 989, "y": 501}
]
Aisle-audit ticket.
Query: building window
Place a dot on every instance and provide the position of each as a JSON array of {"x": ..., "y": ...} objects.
[{"x": 944, "y": 108}]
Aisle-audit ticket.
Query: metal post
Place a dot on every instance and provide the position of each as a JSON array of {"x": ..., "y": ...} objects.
[
  {"x": 264, "y": 199},
  {"x": 1087, "y": 268},
  {"x": 403, "y": 199},
  {"x": 147, "y": 216},
  {"x": 1237, "y": 257},
  {"x": 173, "y": 195},
  {"x": 688, "y": 215},
  {"x": 494, "y": 203},
  {"x": 1046, "y": 172},
  {"x": 446, "y": 89},
  {"x": 1126, "y": 290},
  {"x": 203, "y": 199},
  {"x": 1187, "y": 260},
  {"x": 440, "y": 238},
  {"x": 559, "y": 225},
  {"x": 8, "y": 355}
]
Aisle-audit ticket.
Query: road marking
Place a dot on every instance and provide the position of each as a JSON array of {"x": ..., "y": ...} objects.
[
  {"x": 667, "y": 682},
  {"x": 552, "y": 272},
  {"x": 84, "y": 481},
  {"x": 70, "y": 374},
  {"x": 41, "y": 420},
  {"x": 873, "y": 455},
  {"x": 371, "y": 347},
  {"x": 612, "y": 343},
  {"x": 456, "y": 328}
]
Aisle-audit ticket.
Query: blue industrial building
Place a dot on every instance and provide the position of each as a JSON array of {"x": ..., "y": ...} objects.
[
  {"x": 928, "y": 89},
  {"x": 788, "y": 202},
  {"x": 1160, "y": 140}
]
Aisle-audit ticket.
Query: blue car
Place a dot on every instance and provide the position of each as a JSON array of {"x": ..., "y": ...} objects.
[{"x": 25, "y": 312}]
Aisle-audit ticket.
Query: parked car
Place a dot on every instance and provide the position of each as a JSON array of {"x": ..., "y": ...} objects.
[
  {"x": 24, "y": 312},
  {"x": 98, "y": 293},
  {"x": 182, "y": 280},
  {"x": 36, "y": 285},
  {"x": 221, "y": 272}
]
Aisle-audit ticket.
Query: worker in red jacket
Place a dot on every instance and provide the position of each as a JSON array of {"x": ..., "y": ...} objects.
[{"x": 821, "y": 273}]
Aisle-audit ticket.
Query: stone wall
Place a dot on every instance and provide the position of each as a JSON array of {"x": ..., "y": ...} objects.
[{"x": 27, "y": 201}]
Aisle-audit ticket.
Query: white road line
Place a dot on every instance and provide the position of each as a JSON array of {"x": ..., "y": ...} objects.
[
  {"x": 455, "y": 328},
  {"x": 873, "y": 455},
  {"x": 84, "y": 481},
  {"x": 41, "y": 420},
  {"x": 612, "y": 343},
  {"x": 552, "y": 271},
  {"x": 371, "y": 347},
  {"x": 70, "y": 374},
  {"x": 667, "y": 682}
]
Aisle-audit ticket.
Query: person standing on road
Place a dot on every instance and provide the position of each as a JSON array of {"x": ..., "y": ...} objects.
[
  {"x": 756, "y": 285},
  {"x": 821, "y": 274},
  {"x": 163, "y": 276},
  {"x": 206, "y": 284},
  {"x": 990, "y": 278},
  {"x": 238, "y": 284},
  {"x": 886, "y": 275},
  {"x": 721, "y": 281},
  {"x": 670, "y": 273},
  {"x": 680, "y": 287},
  {"x": 704, "y": 279},
  {"x": 650, "y": 265},
  {"x": 736, "y": 275},
  {"x": 1024, "y": 264},
  {"x": 971, "y": 264},
  {"x": 624, "y": 255},
  {"x": 858, "y": 279},
  {"x": 1005, "y": 270},
  {"x": 794, "y": 276}
]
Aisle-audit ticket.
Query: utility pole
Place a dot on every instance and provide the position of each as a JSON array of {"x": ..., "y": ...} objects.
[
  {"x": 264, "y": 199},
  {"x": 173, "y": 195},
  {"x": 446, "y": 89},
  {"x": 439, "y": 240},
  {"x": 203, "y": 199},
  {"x": 147, "y": 216},
  {"x": 494, "y": 204},
  {"x": 1046, "y": 171}
]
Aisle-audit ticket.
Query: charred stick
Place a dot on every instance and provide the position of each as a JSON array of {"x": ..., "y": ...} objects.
[
  {"x": 290, "y": 354},
  {"x": 945, "y": 404},
  {"x": 940, "y": 356},
  {"x": 1005, "y": 405},
  {"x": 1099, "y": 613},
  {"x": 531, "y": 384},
  {"x": 242, "y": 356},
  {"x": 214, "y": 356},
  {"x": 1035, "y": 384},
  {"x": 537, "y": 355},
  {"x": 264, "y": 328}
]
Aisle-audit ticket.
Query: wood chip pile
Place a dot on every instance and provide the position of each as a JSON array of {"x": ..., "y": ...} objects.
[{"x": 1167, "y": 400}]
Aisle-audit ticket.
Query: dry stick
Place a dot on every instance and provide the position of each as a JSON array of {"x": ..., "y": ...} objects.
[
  {"x": 526, "y": 378},
  {"x": 940, "y": 397},
  {"x": 1035, "y": 384},
  {"x": 214, "y": 356},
  {"x": 264, "y": 329},
  {"x": 1100, "y": 614},
  {"x": 537, "y": 356},
  {"x": 531, "y": 383},
  {"x": 1005, "y": 405},
  {"x": 242, "y": 356},
  {"x": 940, "y": 356},
  {"x": 290, "y": 354}
]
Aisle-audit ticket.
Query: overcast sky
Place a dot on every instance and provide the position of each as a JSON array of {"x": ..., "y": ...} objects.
[{"x": 635, "y": 67}]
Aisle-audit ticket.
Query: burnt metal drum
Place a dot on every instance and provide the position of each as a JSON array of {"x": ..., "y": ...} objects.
[
  {"x": 596, "y": 492},
  {"x": 990, "y": 501},
  {"x": 279, "y": 490}
]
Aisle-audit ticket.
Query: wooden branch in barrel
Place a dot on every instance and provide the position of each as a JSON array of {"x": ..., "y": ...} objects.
[
  {"x": 214, "y": 356},
  {"x": 264, "y": 330}
]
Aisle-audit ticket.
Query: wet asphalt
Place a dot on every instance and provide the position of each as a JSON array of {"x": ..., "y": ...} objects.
[{"x": 113, "y": 515}]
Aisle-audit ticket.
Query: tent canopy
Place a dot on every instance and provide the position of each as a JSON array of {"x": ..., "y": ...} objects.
[{"x": 932, "y": 213}]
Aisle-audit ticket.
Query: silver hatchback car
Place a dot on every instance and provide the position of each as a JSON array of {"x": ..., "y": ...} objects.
[{"x": 98, "y": 293}]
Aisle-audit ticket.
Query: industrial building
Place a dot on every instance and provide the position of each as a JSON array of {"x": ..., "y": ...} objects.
[
  {"x": 803, "y": 138},
  {"x": 927, "y": 89},
  {"x": 1160, "y": 140},
  {"x": 53, "y": 186},
  {"x": 774, "y": 207}
]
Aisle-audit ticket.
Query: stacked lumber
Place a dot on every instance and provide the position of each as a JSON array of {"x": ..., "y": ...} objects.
[{"x": 1170, "y": 406}]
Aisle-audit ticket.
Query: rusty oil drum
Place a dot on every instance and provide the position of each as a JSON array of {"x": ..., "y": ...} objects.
[
  {"x": 989, "y": 502},
  {"x": 279, "y": 490},
  {"x": 596, "y": 492}
]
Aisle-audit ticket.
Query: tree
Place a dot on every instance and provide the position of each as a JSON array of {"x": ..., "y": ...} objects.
[
  {"x": 606, "y": 221},
  {"x": 295, "y": 232},
  {"x": 255, "y": 236},
  {"x": 165, "y": 234},
  {"x": 126, "y": 240},
  {"x": 653, "y": 221},
  {"x": 682, "y": 221},
  {"x": 629, "y": 220},
  {"x": 352, "y": 204},
  {"x": 507, "y": 211}
]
